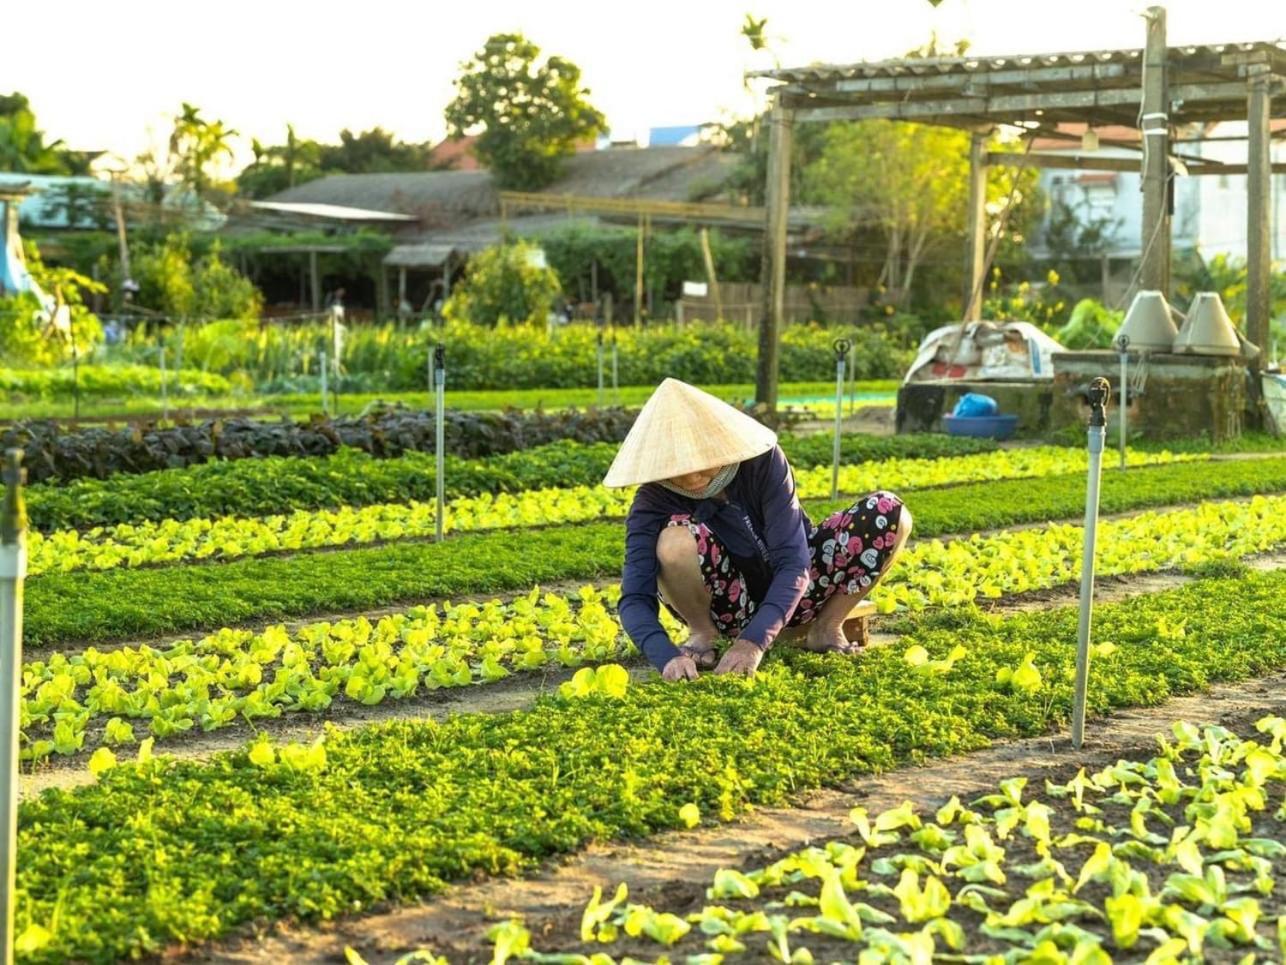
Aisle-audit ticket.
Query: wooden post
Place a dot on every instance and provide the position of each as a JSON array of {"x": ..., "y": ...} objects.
[
  {"x": 1258, "y": 213},
  {"x": 401, "y": 286},
  {"x": 446, "y": 278},
  {"x": 638, "y": 276},
  {"x": 976, "y": 227},
  {"x": 119, "y": 214},
  {"x": 772, "y": 276},
  {"x": 711, "y": 279},
  {"x": 381, "y": 291},
  {"x": 314, "y": 281},
  {"x": 1155, "y": 239}
]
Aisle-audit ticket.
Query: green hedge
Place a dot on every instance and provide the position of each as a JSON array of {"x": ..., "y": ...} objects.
[
  {"x": 174, "y": 851},
  {"x": 350, "y": 477},
  {"x": 107, "y": 381},
  {"x": 140, "y": 603}
]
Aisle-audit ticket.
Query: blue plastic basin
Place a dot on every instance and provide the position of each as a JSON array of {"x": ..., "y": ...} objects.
[{"x": 989, "y": 426}]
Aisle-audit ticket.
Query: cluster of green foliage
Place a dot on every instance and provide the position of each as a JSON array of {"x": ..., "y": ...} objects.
[
  {"x": 106, "y": 382},
  {"x": 351, "y": 477},
  {"x": 528, "y": 117},
  {"x": 277, "y": 167},
  {"x": 173, "y": 282},
  {"x": 1092, "y": 325},
  {"x": 508, "y": 283},
  {"x": 672, "y": 258},
  {"x": 29, "y": 332},
  {"x": 124, "y": 603},
  {"x": 238, "y": 837},
  {"x": 23, "y": 148}
]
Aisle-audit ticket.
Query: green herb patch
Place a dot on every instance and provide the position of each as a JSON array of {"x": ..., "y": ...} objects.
[
  {"x": 1173, "y": 858},
  {"x": 352, "y": 477},
  {"x": 119, "y": 604},
  {"x": 177, "y": 851}
]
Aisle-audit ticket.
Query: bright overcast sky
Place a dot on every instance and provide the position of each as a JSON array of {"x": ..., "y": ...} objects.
[{"x": 111, "y": 75}]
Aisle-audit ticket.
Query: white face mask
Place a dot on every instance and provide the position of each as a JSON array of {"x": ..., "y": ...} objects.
[{"x": 715, "y": 486}]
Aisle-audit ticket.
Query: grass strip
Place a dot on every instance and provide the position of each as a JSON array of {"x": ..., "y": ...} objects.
[
  {"x": 138, "y": 603},
  {"x": 175, "y": 851},
  {"x": 351, "y": 477}
]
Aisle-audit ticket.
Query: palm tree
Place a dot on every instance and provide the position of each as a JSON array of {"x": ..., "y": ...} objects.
[{"x": 195, "y": 144}]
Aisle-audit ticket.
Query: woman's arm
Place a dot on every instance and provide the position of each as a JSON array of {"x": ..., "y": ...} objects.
[
  {"x": 787, "y": 545},
  {"x": 639, "y": 608}
]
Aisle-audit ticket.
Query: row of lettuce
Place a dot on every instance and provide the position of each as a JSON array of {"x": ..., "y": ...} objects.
[
  {"x": 73, "y": 702},
  {"x": 179, "y": 851}
]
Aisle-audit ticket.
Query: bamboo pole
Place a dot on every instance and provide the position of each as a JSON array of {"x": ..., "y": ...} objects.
[
  {"x": 773, "y": 268},
  {"x": 13, "y": 569}
]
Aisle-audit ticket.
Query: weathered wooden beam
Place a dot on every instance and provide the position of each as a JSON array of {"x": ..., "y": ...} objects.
[
  {"x": 773, "y": 269},
  {"x": 1003, "y": 107},
  {"x": 1258, "y": 211},
  {"x": 1154, "y": 274},
  {"x": 1083, "y": 162},
  {"x": 976, "y": 226},
  {"x": 980, "y": 79}
]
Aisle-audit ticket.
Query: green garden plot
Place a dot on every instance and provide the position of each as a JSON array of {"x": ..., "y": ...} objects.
[
  {"x": 123, "y": 603},
  {"x": 238, "y": 674},
  {"x": 167, "y": 851},
  {"x": 1171, "y": 858}
]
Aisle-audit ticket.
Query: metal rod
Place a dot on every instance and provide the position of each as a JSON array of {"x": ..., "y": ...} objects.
[
  {"x": 13, "y": 569},
  {"x": 600, "y": 368},
  {"x": 842, "y": 346},
  {"x": 616, "y": 382},
  {"x": 165, "y": 397},
  {"x": 1123, "y": 344},
  {"x": 1100, "y": 392},
  {"x": 325, "y": 394},
  {"x": 439, "y": 419}
]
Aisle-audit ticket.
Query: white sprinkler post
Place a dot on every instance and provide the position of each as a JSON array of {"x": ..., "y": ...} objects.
[
  {"x": 1100, "y": 392},
  {"x": 165, "y": 395},
  {"x": 325, "y": 394},
  {"x": 600, "y": 367},
  {"x": 439, "y": 430},
  {"x": 1122, "y": 346},
  {"x": 13, "y": 569},
  {"x": 841, "y": 346}
]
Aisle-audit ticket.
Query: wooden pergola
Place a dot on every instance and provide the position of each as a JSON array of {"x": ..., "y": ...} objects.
[{"x": 1155, "y": 88}]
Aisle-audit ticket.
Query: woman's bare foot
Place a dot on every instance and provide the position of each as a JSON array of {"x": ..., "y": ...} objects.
[
  {"x": 828, "y": 638},
  {"x": 700, "y": 646}
]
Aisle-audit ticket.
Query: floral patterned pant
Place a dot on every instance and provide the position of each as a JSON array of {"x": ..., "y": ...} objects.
[{"x": 850, "y": 552}]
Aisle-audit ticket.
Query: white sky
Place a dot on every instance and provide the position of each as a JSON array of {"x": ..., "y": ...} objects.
[{"x": 112, "y": 75}]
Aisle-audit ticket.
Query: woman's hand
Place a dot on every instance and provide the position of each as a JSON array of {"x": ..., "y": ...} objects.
[
  {"x": 681, "y": 667},
  {"x": 742, "y": 657}
]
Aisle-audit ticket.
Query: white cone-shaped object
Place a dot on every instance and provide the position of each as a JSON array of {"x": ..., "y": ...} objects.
[
  {"x": 1148, "y": 324},
  {"x": 681, "y": 430},
  {"x": 1208, "y": 330}
]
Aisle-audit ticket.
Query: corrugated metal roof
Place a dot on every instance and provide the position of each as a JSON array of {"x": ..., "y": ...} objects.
[
  {"x": 334, "y": 212},
  {"x": 419, "y": 256}
]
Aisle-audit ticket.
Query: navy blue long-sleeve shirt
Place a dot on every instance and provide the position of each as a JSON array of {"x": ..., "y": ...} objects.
[{"x": 757, "y": 517}]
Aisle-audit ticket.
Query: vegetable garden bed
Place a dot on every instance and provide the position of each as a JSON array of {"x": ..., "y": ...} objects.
[{"x": 167, "y": 851}]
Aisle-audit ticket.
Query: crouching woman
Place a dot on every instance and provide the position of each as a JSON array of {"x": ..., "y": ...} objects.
[{"x": 716, "y": 535}]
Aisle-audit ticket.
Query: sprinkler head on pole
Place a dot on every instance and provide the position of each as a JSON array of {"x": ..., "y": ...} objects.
[
  {"x": 1122, "y": 343},
  {"x": 1100, "y": 393},
  {"x": 841, "y": 347}
]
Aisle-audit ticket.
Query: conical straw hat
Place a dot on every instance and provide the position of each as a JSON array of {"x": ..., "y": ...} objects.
[{"x": 681, "y": 430}]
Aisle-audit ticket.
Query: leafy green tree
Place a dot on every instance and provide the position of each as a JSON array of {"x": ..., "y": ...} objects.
[
  {"x": 506, "y": 283},
  {"x": 30, "y": 334},
  {"x": 22, "y": 144},
  {"x": 195, "y": 145},
  {"x": 372, "y": 152},
  {"x": 529, "y": 116},
  {"x": 173, "y": 282}
]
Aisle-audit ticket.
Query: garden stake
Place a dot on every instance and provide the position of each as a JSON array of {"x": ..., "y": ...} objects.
[
  {"x": 600, "y": 368},
  {"x": 616, "y": 384},
  {"x": 439, "y": 389},
  {"x": 841, "y": 346},
  {"x": 165, "y": 398},
  {"x": 13, "y": 568},
  {"x": 1099, "y": 394},
  {"x": 1122, "y": 345},
  {"x": 325, "y": 394}
]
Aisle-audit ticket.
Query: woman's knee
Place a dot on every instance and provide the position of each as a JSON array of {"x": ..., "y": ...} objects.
[{"x": 676, "y": 546}]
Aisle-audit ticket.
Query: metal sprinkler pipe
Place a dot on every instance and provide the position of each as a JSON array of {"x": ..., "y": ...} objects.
[
  {"x": 13, "y": 569},
  {"x": 841, "y": 346},
  {"x": 1122, "y": 346},
  {"x": 1100, "y": 392},
  {"x": 439, "y": 429}
]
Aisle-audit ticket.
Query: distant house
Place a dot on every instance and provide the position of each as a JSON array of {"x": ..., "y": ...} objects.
[
  {"x": 76, "y": 203},
  {"x": 456, "y": 154},
  {"x": 1209, "y": 211}
]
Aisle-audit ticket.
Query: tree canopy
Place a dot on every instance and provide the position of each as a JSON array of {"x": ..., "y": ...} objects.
[
  {"x": 23, "y": 147},
  {"x": 528, "y": 116}
]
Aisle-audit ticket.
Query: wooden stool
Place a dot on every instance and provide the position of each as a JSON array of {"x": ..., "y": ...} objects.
[{"x": 857, "y": 625}]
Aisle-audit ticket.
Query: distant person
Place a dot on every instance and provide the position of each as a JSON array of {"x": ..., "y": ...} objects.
[{"x": 717, "y": 535}]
